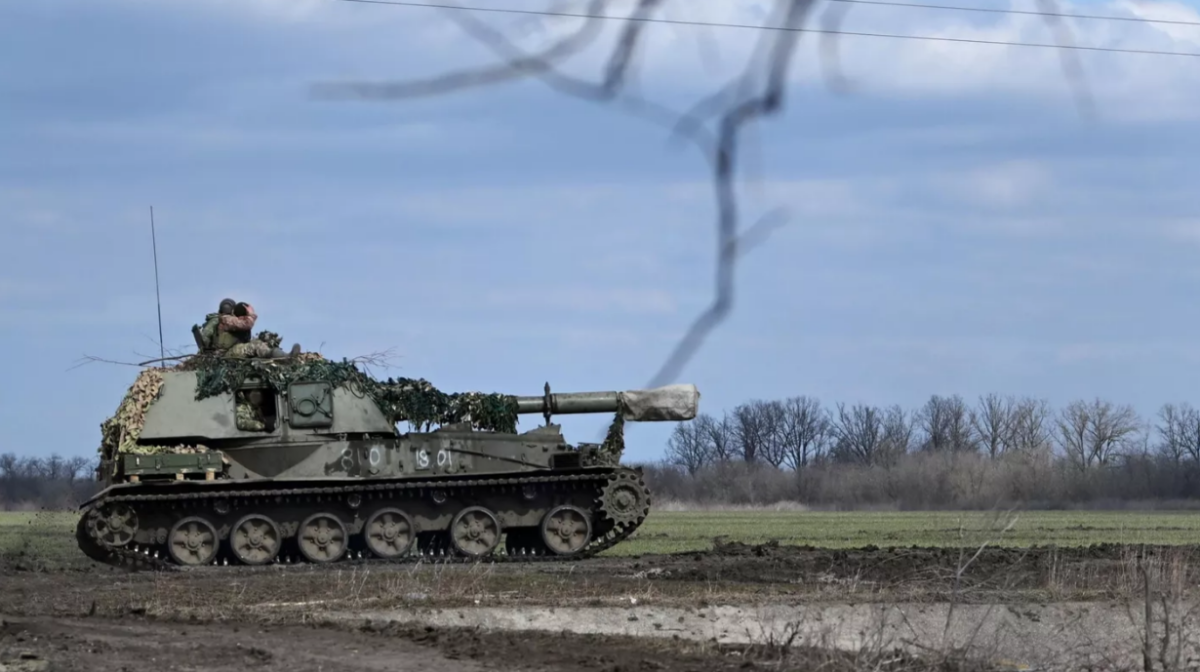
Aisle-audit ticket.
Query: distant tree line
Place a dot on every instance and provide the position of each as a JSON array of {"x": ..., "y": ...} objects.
[
  {"x": 948, "y": 453},
  {"x": 54, "y": 482}
]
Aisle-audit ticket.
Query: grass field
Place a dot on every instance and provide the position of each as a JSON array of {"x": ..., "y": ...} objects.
[
  {"x": 48, "y": 537},
  {"x": 669, "y": 532}
]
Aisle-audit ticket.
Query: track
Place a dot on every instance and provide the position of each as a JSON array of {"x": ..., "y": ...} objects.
[{"x": 610, "y": 524}]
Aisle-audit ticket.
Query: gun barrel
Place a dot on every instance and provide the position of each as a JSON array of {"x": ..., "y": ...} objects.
[
  {"x": 571, "y": 403},
  {"x": 671, "y": 403}
]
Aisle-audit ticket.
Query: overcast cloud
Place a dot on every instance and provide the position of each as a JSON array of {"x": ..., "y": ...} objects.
[{"x": 955, "y": 225}]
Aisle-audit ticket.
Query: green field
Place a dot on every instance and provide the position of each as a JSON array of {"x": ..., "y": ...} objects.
[
  {"x": 669, "y": 532},
  {"x": 47, "y": 539}
]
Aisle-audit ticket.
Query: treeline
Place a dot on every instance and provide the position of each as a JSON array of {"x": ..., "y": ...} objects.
[
  {"x": 54, "y": 482},
  {"x": 949, "y": 453}
]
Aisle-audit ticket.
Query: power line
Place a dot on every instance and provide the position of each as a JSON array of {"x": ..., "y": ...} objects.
[
  {"x": 850, "y": 33},
  {"x": 991, "y": 10}
]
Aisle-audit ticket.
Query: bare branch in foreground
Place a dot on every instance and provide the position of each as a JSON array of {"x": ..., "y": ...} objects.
[{"x": 756, "y": 93}]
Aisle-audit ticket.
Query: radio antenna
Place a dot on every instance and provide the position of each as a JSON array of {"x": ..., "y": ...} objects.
[{"x": 157, "y": 297}]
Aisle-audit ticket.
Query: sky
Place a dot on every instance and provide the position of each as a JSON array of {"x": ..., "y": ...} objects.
[{"x": 956, "y": 222}]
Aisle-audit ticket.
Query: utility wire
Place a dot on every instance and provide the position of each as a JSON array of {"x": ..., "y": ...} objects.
[
  {"x": 894, "y": 36},
  {"x": 992, "y": 10}
]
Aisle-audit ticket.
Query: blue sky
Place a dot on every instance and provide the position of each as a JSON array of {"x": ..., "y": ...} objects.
[{"x": 955, "y": 225}]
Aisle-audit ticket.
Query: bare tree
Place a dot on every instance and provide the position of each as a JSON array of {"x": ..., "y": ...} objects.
[
  {"x": 772, "y": 417},
  {"x": 857, "y": 434},
  {"x": 1092, "y": 433},
  {"x": 756, "y": 426},
  {"x": 688, "y": 447},
  {"x": 55, "y": 467},
  {"x": 806, "y": 428},
  {"x": 946, "y": 424},
  {"x": 993, "y": 422},
  {"x": 1171, "y": 433},
  {"x": 8, "y": 464},
  {"x": 51, "y": 481},
  {"x": 79, "y": 467},
  {"x": 1031, "y": 427},
  {"x": 1072, "y": 424},
  {"x": 898, "y": 430},
  {"x": 718, "y": 436},
  {"x": 1188, "y": 427},
  {"x": 1114, "y": 429}
]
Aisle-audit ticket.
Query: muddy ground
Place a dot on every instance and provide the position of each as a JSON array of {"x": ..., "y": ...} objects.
[{"x": 98, "y": 618}]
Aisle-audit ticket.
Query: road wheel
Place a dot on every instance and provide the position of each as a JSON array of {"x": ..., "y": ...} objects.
[
  {"x": 255, "y": 540},
  {"x": 322, "y": 538},
  {"x": 193, "y": 541},
  {"x": 566, "y": 529},
  {"x": 389, "y": 533},
  {"x": 475, "y": 532}
]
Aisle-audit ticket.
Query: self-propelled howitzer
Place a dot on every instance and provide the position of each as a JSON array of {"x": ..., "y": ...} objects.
[{"x": 300, "y": 460}]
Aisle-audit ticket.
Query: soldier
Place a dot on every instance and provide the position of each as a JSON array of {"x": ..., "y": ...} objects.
[
  {"x": 206, "y": 336},
  {"x": 228, "y": 331},
  {"x": 233, "y": 334},
  {"x": 249, "y": 412}
]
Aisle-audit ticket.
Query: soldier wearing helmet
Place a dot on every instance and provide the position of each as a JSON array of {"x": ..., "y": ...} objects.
[
  {"x": 229, "y": 331},
  {"x": 207, "y": 336}
]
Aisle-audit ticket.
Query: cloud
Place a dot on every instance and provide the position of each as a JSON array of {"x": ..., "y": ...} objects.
[
  {"x": 1128, "y": 86},
  {"x": 14, "y": 290},
  {"x": 1187, "y": 231},
  {"x": 585, "y": 299},
  {"x": 184, "y": 135},
  {"x": 1117, "y": 352},
  {"x": 1003, "y": 185},
  {"x": 379, "y": 42},
  {"x": 948, "y": 232}
]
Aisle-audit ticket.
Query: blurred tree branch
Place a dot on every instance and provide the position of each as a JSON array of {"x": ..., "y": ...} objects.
[{"x": 714, "y": 125}]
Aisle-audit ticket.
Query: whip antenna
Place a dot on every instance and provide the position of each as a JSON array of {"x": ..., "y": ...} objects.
[{"x": 157, "y": 297}]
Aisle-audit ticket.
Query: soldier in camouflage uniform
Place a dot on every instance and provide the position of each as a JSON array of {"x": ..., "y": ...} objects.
[
  {"x": 228, "y": 331},
  {"x": 233, "y": 335},
  {"x": 207, "y": 335},
  {"x": 249, "y": 412}
]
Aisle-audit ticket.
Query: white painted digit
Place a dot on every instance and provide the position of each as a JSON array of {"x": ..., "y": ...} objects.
[
  {"x": 422, "y": 459},
  {"x": 443, "y": 458},
  {"x": 347, "y": 459},
  {"x": 375, "y": 456}
]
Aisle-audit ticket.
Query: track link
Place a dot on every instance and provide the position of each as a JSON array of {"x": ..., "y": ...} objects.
[{"x": 615, "y": 527}]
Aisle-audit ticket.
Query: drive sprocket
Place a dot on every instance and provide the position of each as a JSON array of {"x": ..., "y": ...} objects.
[{"x": 625, "y": 499}]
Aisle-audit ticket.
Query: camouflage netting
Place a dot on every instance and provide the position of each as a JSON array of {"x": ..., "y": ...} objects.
[
  {"x": 119, "y": 434},
  {"x": 614, "y": 442},
  {"x": 415, "y": 401},
  {"x": 272, "y": 339},
  {"x": 401, "y": 400}
]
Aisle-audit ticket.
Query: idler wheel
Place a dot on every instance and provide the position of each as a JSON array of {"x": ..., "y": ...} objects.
[
  {"x": 566, "y": 530},
  {"x": 255, "y": 540},
  {"x": 193, "y": 541},
  {"x": 389, "y": 533},
  {"x": 475, "y": 532},
  {"x": 322, "y": 538}
]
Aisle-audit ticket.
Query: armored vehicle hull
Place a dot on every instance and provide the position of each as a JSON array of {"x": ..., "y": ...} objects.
[{"x": 259, "y": 462}]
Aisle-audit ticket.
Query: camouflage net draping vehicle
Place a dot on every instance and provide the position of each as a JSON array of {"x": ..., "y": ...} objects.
[{"x": 259, "y": 461}]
